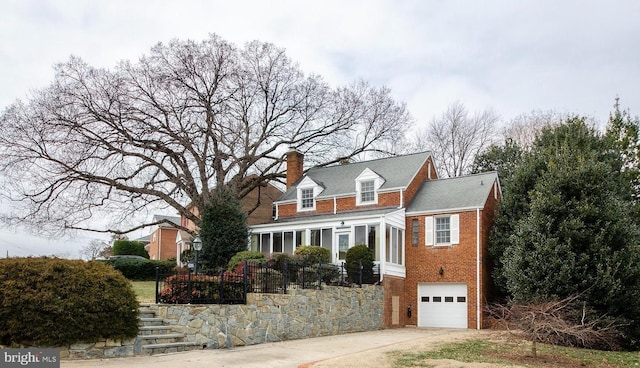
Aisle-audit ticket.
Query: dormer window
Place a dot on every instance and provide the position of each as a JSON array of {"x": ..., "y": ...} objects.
[
  {"x": 367, "y": 191},
  {"x": 307, "y": 191},
  {"x": 367, "y": 185},
  {"x": 306, "y": 198}
]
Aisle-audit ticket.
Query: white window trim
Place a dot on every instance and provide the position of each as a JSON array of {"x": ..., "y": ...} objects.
[
  {"x": 307, "y": 183},
  {"x": 430, "y": 231},
  {"x": 368, "y": 175}
]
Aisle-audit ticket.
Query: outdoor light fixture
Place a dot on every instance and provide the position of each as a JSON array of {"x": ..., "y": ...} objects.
[
  {"x": 197, "y": 245},
  {"x": 441, "y": 272}
]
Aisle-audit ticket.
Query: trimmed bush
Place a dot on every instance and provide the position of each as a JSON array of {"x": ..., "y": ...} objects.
[
  {"x": 141, "y": 269},
  {"x": 245, "y": 255},
  {"x": 129, "y": 248},
  {"x": 57, "y": 302},
  {"x": 353, "y": 258},
  {"x": 312, "y": 254}
]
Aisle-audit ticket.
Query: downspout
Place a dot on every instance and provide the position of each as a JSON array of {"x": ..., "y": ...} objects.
[
  {"x": 335, "y": 205},
  {"x": 478, "y": 266},
  {"x": 401, "y": 198}
]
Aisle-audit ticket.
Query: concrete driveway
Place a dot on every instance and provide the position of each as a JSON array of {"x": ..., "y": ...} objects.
[{"x": 318, "y": 351}]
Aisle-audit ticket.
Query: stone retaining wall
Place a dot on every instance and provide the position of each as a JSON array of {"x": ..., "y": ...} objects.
[
  {"x": 298, "y": 314},
  {"x": 276, "y": 317}
]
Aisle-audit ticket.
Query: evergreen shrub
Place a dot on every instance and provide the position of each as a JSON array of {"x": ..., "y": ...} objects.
[
  {"x": 355, "y": 255},
  {"x": 57, "y": 302}
]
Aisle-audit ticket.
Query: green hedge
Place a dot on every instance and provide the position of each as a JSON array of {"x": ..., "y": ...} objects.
[
  {"x": 141, "y": 269},
  {"x": 56, "y": 302},
  {"x": 129, "y": 248}
]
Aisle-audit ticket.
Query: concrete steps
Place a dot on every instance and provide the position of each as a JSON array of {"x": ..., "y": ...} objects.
[{"x": 156, "y": 337}]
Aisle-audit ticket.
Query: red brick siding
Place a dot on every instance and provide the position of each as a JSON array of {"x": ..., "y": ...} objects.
[
  {"x": 394, "y": 286},
  {"x": 421, "y": 177},
  {"x": 164, "y": 245},
  {"x": 458, "y": 262}
]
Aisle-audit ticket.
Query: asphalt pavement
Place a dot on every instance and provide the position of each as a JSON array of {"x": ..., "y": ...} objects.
[{"x": 286, "y": 354}]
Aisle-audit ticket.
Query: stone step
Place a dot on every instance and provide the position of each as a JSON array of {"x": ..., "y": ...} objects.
[
  {"x": 172, "y": 347},
  {"x": 151, "y": 321},
  {"x": 161, "y": 336},
  {"x": 153, "y": 330}
]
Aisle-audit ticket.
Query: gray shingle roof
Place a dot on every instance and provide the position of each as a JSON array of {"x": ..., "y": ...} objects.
[
  {"x": 173, "y": 219},
  {"x": 455, "y": 193},
  {"x": 339, "y": 180}
]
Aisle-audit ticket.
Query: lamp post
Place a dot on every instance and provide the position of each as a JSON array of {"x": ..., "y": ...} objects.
[{"x": 197, "y": 245}]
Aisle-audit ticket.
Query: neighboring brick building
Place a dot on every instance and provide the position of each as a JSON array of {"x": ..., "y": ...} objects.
[
  {"x": 162, "y": 239},
  {"x": 429, "y": 235}
]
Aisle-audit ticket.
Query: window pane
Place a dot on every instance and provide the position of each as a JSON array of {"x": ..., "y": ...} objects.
[
  {"x": 394, "y": 245},
  {"x": 288, "y": 242},
  {"x": 388, "y": 243},
  {"x": 437, "y": 299},
  {"x": 374, "y": 241},
  {"x": 415, "y": 230},
  {"x": 255, "y": 241},
  {"x": 307, "y": 198},
  {"x": 327, "y": 240},
  {"x": 265, "y": 244},
  {"x": 400, "y": 245},
  {"x": 277, "y": 242},
  {"x": 443, "y": 233},
  {"x": 343, "y": 246},
  {"x": 361, "y": 232},
  {"x": 315, "y": 237},
  {"x": 367, "y": 193},
  {"x": 300, "y": 235},
  {"x": 448, "y": 299}
]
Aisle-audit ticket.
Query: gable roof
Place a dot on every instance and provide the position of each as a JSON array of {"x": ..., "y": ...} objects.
[
  {"x": 173, "y": 219},
  {"x": 337, "y": 180},
  {"x": 463, "y": 192}
]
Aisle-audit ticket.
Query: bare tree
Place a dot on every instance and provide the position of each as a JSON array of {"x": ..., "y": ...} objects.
[
  {"x": 96, "y": 248},
  {"x": 565, "y": 322},
  {"x": 456, "y": 137},
  {"x": 164, "y": 131}
]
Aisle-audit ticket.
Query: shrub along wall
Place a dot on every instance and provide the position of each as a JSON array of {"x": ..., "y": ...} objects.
[{"x": 301, "y": 313}]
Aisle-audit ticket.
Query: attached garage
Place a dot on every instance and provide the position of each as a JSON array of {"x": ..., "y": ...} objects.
[{"x": 442, "y": 305}]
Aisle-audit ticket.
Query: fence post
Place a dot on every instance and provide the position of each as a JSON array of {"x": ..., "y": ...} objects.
[
  {"x": 189, "y": 287},
  {"x": 221, "y": 294},
  {"x": 360, "y": 274},
  {"x": 245, "y": 279},
  {"x": 342, "y": 273},
  {"x": 157, "y": 283},
  {"x": 319, "y": 287},
  {"x": 285, "y": 278}
]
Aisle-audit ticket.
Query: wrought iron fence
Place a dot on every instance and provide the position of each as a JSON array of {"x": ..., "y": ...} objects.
[{"x": 231, "y": 287}]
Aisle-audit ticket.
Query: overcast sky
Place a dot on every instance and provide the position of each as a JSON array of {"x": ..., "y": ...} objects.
[{"x": 512, "y": 56}]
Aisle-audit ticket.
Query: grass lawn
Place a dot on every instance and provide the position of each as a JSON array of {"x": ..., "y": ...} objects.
[
  {"x": 145, "y": 291},
  {"x": 509, "y": 352}
]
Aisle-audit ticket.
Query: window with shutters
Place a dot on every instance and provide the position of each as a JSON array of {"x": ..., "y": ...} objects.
[{"x": 442, "y": 230}]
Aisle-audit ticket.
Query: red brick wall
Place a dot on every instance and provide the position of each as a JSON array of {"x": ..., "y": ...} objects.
[
  {"x": 421, "y": 177},
  {"x": 164, "y": 245},
  {"x": 394, "y": 286},
  {"x": 458, "y": 262}
]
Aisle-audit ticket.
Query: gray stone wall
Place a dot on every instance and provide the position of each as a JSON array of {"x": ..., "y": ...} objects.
[{"x": 276, "y": 317}]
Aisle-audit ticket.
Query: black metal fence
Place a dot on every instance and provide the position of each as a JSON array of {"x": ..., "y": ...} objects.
[{"x": 231, "y": 287}]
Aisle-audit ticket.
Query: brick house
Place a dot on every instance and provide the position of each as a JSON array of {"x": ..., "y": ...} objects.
[
  {"x": 428, "y": 235},
  {"x": 162, "y": 238}
]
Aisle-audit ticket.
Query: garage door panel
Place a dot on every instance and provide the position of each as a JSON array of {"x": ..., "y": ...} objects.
[{"x": 442, "y": 305}]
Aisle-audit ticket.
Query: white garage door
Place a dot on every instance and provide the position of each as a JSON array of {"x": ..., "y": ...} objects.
[{"x": 442, "y": 305}]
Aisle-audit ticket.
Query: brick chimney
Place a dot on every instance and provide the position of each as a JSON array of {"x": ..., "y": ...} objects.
[{"x": 295, "y": 166}]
